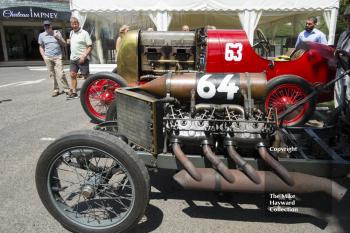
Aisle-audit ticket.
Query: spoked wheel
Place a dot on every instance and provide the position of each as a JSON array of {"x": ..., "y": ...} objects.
[
  {"x": 284, "y": 92},
  {"x": 91, "y": 181},
  {"x": 98, "y": 92}
]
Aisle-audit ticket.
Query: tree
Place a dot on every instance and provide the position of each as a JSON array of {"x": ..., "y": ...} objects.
[{"x": 341, "y": 26}]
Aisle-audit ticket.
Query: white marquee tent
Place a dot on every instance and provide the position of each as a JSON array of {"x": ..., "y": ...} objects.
[
  {"x": 108, "y": 15},
  {"x": 249, "y": 12}
]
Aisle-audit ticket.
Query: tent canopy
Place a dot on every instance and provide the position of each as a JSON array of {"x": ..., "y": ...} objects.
[
  {"x": 249, "y": 11},
  {"x": 203, "y": 5},
  {"x": 224, "y": 14}
]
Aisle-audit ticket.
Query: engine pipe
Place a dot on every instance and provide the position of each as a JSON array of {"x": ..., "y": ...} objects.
[
  {"x": 270, "y": 182},
  {"x": 216, "y": 161},
  {"x": 220, "y": 107},
  {"x": 246, "y": 167},
  {"x": 278, "y": 142},
  {"x": 186, "y": 163},
  {"x": 274, "y": 164}
]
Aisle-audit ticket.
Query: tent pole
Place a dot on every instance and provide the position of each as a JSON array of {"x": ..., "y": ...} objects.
[{"x": 332, "y": 26}]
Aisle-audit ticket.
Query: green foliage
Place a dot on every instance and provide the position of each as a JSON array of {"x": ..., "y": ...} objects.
[{"x": 341, "y": 26}]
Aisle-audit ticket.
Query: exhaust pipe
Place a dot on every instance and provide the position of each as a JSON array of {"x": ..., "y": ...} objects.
[
  {"x": 246, "y": 167},
  {"x": 186, "y": 163},
  {"x": 217, "y": 163},
  {"x": 274, "y": 164},
  {"x": 270, "y": 182}
]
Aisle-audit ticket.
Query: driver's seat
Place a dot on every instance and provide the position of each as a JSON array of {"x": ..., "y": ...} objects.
[
  {"x": 282, "y": 58},
  {"x": 293, "y": 56}
]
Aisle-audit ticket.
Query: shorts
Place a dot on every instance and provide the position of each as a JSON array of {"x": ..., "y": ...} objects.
[{"x": 75, "y": 67}]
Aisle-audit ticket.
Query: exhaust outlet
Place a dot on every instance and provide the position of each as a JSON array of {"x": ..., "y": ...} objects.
[
  {"x": 274, "y": 164},
  {"x": 217, "y": 163},
  {"x": 270, "y": 182},
  {"x": 186, "y": 163},
  {"x": 246, "y": 167}
]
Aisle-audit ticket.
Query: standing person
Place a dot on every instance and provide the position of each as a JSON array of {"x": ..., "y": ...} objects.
[
  {"x": 311, "y": 33},
  {"x": 185, "y": 28},
  {"x": 80, "y": 47},
  {"x": 342, "y": 87},
  {"x": 50, "y": 42},
  {"x": 122, "y": 31}
]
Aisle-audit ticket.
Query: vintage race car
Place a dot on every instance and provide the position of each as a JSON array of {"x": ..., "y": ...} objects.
[
  {"x": 145, "y": 56},
  {"x": 213, "y": 130}
]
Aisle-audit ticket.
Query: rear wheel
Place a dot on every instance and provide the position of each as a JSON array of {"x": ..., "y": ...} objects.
[
  {"x": 91, "y": 181},
  {"x": 283, "y": 92},
  {"x": 98, "y": 92}
]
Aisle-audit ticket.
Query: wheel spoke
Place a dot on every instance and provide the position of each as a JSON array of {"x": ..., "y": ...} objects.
[
  {"x": 91, "y": 187},
  {"x": 99, "y": 95},
  {"x": 283, "y": 97}
]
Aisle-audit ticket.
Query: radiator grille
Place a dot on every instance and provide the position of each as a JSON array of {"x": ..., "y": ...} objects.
[{"x": 137, "y": 119}]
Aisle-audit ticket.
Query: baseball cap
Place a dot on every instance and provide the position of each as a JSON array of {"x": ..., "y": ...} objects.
[{"x": 46, "y": 22}]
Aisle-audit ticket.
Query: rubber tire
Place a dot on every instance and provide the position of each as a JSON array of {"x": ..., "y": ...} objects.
[
  {"x": 115, "y": 147},
  {"x": 293, "y": 79},
  {"x": 111, "y": 114},
  {"x": 101, "y": 75}
]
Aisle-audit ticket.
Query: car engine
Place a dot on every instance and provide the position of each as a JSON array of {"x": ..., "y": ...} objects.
[{"x": 195, "y": 109}]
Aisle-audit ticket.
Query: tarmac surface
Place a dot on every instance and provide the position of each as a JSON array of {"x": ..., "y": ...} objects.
[{"x": 30, "y": 119}]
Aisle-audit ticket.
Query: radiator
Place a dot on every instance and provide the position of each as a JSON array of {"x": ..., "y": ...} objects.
[{"x": 140, "y": 119}]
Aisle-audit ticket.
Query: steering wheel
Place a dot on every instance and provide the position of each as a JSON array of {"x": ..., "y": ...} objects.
[
  {"x": 265, "y": 44},
  {"x": 343, "y": 58}
]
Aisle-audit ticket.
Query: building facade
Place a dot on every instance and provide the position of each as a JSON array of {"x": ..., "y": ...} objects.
[{"x": 21, "y": 22}]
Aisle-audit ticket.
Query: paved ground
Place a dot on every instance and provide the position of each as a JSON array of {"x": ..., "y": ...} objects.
[{"x": 30, "y": 118}]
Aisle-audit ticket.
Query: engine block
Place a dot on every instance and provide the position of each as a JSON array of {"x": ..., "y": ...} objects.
[{"x": 217, "y": 121}]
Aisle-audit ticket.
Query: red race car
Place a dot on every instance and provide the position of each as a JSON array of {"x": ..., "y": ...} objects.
[{"x": 145, "y": 56}]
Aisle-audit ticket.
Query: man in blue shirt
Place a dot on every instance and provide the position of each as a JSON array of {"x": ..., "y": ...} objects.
[
  {"x": 50, "y": 42},
  {"x": 311, "y": 33}
]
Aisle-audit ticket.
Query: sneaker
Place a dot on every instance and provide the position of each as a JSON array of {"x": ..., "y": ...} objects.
[
  {"x": 55, "y": 93},
  {"x": 71, "y": 95}
]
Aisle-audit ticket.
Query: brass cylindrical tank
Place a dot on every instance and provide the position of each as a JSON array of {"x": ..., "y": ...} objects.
[
  {"x": 216, "y": 88},
  {"x": 127, "y": 60}
]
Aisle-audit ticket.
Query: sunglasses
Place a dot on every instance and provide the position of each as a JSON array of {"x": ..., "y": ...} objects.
[{"x": 47, "y": 25}]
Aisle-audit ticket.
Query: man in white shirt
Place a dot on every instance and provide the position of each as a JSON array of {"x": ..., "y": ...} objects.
[{"x": 80, "y": 46}]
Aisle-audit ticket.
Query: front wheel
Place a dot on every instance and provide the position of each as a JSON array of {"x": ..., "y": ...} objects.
[
  {"x": 285, "y": 91},
  {"x": 98, "y": 92},
  {"x": 91, "y": 181}
]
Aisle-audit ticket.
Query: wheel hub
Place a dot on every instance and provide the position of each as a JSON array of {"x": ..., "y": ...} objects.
[
  {"x": 88, "y": 191},
  {"x": 106, "y": 98},
  {"x": 91, "y": 185}
]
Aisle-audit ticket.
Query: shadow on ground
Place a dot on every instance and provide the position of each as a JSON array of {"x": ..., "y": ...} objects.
[{"x": 313, "y": 208}]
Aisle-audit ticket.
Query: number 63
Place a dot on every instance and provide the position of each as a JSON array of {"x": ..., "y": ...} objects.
[{"x": 230, "y": 54}]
